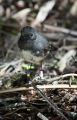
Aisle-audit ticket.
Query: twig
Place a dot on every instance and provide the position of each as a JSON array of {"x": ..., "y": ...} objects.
[
  {"x": 59, "y": 29},
  {"x": 54, "y": 106},
  {"x": 11, "y": 63},
  {"x": 61, "y": 77},
  {"x": 5, "y": 66}
]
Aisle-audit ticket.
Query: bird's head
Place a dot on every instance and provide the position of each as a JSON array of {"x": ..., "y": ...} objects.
[{"x": 28, "y": 33}]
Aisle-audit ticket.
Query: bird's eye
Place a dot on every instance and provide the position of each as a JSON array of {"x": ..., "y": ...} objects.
[{"x": 31, "y": 35}]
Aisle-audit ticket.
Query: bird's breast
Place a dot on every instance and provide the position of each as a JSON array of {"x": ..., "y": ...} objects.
[{"x": 29, "y": 57}]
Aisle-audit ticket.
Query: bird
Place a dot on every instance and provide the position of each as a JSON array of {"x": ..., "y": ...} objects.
[{"x": 34, "y": 47}]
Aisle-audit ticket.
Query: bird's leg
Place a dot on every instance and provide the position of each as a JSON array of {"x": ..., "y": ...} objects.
[
  {"x": 41, "y": 71},
  {"x": 28, "y": 73}
]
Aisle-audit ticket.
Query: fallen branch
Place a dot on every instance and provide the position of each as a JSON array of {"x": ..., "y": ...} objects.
[
  {"x": 59, "y": 36},
  {"x": 62, "y": 86},
  {"x": 67, "y": 57}
]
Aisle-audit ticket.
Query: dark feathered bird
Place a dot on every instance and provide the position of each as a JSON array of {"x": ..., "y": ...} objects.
[{"x": 33, "y": 46}]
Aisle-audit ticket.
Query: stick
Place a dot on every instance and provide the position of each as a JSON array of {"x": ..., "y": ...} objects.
[
  {"x": 59, "y": 29},
  {"x": 49, "y": 101},
  {"x": 41, "y": 116},
  {"x": 61, "y": 77}
]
